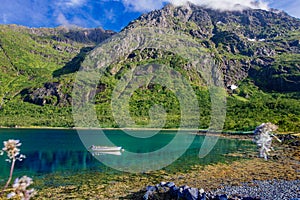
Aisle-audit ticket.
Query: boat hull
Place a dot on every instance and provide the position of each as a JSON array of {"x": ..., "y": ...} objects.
[{"x": 105, "y": 149}]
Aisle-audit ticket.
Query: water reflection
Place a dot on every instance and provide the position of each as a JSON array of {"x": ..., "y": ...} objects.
[
  {"x": 47, "y": 162},
  {"x": 49, "y": 151}
]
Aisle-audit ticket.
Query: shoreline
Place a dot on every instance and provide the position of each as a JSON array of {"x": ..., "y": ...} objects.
[
  {"x": 283, "y": 165},
  {"x": 85, "y": 128},
  {"x": 240, "y": 175},
  {"x": 225, "y": 133}
]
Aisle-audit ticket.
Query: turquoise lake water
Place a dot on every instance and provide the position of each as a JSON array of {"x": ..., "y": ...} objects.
[{"x": 55, "y": 151}]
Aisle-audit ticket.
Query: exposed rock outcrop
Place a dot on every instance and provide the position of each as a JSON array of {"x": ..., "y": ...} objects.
[{"x": 50, "y": 93}]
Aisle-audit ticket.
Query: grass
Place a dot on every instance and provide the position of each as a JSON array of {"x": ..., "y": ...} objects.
[{"x": 29, "y": 61}]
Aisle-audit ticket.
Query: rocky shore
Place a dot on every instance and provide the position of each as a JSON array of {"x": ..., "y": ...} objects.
[
  {"x": 278, "y": 178},
  {"x": 265, "y": 190},
  {"x": 257, "y": 190}
]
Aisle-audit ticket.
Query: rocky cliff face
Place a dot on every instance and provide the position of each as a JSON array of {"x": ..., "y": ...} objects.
[
  {"x": 248, "y": 23},
  {"x": 251, "y": 43}
]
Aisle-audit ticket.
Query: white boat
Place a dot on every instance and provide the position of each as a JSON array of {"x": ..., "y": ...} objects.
[
  {"x": 101, "y": 153},
  {"x": 105, "y": 148}
]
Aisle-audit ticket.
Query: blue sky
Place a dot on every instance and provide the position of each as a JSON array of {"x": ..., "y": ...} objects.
[{"x": 109, "y": 14}]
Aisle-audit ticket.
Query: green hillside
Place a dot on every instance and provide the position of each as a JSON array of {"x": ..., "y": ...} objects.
[
  {"x": 258, "y": 51},
  {"x": 31, "y": 58}
]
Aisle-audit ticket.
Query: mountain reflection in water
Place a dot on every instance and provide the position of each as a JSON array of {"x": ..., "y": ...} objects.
[{"x": 50, "y": 151}]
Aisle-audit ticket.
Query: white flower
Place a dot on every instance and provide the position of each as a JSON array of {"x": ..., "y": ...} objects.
[
  {"x": 20, "y": 188},
  {"x": 263, "y": 138},
  {"x": 11, "y": 144},
  {"x": 11, "y": 195},
  {"x": 12, "y": 150},
  {"x": 20, "y": 158},
  {"x": 22, "y": 183}
]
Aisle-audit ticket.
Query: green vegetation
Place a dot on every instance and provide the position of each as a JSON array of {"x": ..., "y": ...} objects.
[
  {"x": 246, "y": 113},
  {"x": 29, "y": 61}
]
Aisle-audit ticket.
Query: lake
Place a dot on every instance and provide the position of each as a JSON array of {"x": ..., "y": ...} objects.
[{"x": 56, "y": 151}]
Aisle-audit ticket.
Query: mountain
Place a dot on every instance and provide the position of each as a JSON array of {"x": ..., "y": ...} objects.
[
  {"x": 257, "y": 50},
  {"x": 35, "y": 58},
  {"x": 251, "y": 43}
]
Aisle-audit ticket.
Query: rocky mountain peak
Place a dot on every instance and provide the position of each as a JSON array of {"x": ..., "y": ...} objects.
[
  {"x": 248, "y": 42},
  {"x": 249, "y": 22}
]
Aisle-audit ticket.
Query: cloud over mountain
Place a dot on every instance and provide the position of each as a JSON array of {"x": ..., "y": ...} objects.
[
  {"x": 110, "y": 13},
  {"x": 225, "y": 4},
  {"x": 148, "y": 5}
]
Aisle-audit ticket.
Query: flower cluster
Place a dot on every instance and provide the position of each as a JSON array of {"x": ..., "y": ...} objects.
[
  {"x": 20, "y": 188},
  {"x": 263, "y": 138},
  {"x": 265, "y": 128},
  {"x": 12, "y": 150}
]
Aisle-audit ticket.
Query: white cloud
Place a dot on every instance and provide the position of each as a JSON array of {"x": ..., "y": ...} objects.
[
  {"x": 62, "y": 20},
  {"x": 225, "y": 4},
  {"x": 110, "y": 15},
  {"x": 74, "y": 3},
  {"x": 148, "y": 5},
  {"x": 143, "y": 5},
  {"x": 70, "y": 13},
  {"x": 290, "y": 6},
  {"x": 4, "y": 18}
]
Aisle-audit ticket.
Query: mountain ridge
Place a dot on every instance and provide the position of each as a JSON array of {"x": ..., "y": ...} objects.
[
  {"x": 258, "y": 51},
  {"x": 243, "y": 28}
]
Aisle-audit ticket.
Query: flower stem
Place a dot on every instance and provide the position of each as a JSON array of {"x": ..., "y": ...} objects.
[{"x": 10, "y": 176}]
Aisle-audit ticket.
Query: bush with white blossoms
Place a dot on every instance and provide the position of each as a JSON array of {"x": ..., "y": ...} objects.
[
  {"x": 19, "y": 188},
  {"x": 263, "y": 138}
]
